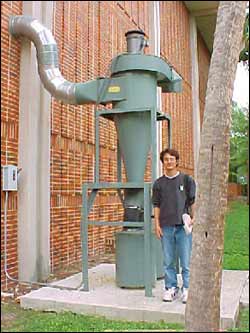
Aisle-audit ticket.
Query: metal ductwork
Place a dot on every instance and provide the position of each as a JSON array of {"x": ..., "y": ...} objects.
[{"x": 47, "y": 57}]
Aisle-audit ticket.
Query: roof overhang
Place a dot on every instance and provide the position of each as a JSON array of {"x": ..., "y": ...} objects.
[{"x": 205, "y": 13}]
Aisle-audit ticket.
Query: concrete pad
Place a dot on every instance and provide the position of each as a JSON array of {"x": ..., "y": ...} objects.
[
  {"x": 244, "y": 300},
  {"x": 105, "y": 298},
  {"x": 232, "y": 287}
]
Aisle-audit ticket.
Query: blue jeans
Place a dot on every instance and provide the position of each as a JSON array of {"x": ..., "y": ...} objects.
[{"x": 175, "y": 241}]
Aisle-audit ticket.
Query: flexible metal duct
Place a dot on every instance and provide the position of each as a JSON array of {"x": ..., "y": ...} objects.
[{"x": 47, "y": 56}]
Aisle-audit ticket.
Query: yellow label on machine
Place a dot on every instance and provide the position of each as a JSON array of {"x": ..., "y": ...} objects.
[{"x": 114, "y": 89}]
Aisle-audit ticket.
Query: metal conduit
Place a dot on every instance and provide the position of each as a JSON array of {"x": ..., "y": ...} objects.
[{"x": 47, "y": 56}]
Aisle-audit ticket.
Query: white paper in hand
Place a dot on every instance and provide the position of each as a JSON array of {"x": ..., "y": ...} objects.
[{"x": 187, "y": 223}]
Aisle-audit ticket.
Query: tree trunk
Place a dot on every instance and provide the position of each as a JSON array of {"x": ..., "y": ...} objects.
[{"x": 203, "y": 306}]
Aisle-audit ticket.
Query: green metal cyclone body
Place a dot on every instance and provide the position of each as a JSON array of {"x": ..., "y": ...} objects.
[
  {"x": 134, "y": 128},
  {"x": 138, "y": 76}
]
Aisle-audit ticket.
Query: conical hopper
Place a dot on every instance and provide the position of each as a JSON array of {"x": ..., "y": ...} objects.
[{"x": 134, "y": 135}]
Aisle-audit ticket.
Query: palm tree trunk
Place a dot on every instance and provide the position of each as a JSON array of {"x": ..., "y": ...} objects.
[{"x": 203, "y": 306}]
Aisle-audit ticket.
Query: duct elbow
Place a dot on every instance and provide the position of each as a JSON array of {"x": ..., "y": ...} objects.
[{"x": 47, "y": 56}]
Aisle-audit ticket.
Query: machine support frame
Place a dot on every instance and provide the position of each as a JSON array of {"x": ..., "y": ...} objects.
[
  {"x": 88, "y": 199},
  {"x": 87, "y": 203}
]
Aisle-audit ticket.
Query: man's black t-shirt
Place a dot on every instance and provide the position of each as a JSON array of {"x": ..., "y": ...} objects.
[{"x": 173, "y": 196}]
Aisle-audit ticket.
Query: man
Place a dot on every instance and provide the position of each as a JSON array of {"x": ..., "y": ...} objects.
[{"x": 173, "y": 196}]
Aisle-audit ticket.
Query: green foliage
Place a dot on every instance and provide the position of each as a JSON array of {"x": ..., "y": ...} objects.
[
  {"x": 236, "y": 239},
  {"x": 239, "y": 141},
  {"x": 244, "y": 54}
]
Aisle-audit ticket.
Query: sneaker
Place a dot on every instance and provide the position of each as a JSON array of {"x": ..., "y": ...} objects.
[
  {"x": 170, "y": 294},
  {"x": 184, "y": 295}
]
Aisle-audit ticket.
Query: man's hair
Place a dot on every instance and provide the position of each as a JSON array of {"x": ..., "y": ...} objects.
[{"x": 171, "y": 152}]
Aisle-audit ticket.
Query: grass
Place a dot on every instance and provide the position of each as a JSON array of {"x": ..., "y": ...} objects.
[
  {"x": 236, "y": 244},
  {"x": 236, "y": 256},
  {"x": 22, "y": 320},
  {"x": 243, "y": 322},
  {"x": 15, "y": 319}
]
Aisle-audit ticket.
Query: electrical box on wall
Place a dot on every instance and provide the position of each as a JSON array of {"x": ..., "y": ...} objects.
[{"x": 9, "y": 178}]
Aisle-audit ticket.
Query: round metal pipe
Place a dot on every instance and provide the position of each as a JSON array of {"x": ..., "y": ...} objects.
[
  {"x": 47, "y": 56},
  {"x": 135, "y": 41}
]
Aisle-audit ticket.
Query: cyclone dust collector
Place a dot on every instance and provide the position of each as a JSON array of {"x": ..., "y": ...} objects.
[{"x": 132, "y": 90}]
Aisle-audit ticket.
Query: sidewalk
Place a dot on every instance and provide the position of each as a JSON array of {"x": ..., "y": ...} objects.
[{"x": 105, "y": 298}]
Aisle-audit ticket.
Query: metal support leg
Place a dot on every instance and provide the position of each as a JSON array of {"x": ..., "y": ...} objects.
[
  {"x": 84, "y": 238},
  {"x": 119, "y": 163},
  {"x": 97, "y": 149},
  {"x": 119, "y": 172},
  {"x": 91, "y": 199},
  {"x": 169, "y": 133},
  {"x": 154, "y": 144},
  {"x": 147, "y": 242}
]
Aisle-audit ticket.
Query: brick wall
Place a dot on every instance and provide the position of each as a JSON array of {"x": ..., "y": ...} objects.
[
  {"x": 234, "y": 190},
  {"x": 10, "y": 58},
  {"x": 89, "y": 34},
  {"x": 175, "y": 49}
]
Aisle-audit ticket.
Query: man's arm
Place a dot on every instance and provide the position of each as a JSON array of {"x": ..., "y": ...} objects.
[
  {"x": 156, "y": 203},
  {"x": 191, "y": 197},
  {"x": 158, "y": 230},
  {"x": 192, "y": 209},
  {"x": 157, "y": 215}
]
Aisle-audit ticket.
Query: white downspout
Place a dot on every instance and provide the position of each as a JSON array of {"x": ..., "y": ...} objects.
[
  {"x": 195, "y": 92},
  {"x": 157, "y": 52}
]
